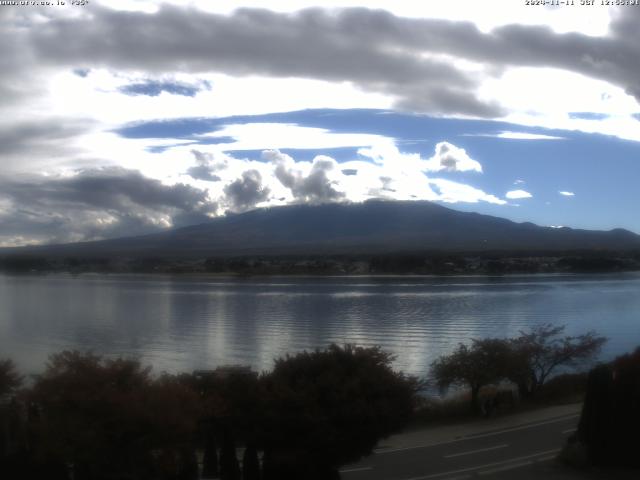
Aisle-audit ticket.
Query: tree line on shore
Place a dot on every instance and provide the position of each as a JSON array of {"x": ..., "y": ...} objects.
[
  {"x": 89, "y": 417},
  {"x": 419, "y": 263}
]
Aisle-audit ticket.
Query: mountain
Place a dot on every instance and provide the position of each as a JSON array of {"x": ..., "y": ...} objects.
[{"x": 369, "y": 227}]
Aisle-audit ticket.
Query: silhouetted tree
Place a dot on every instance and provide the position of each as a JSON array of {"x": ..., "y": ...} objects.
[
  {"x": 330, "y": 407},
  {"x": 229, "y": 466},
  {"x": 188, "y": 464},
  {"x": 537, "y": 353},
  {"x": 106, "y": 416},
  {"x": 210, "y": 458},
  {"x": 250, "y": 463},
  {"x": 594, "y": 428},
  {"x": 610, "y": 418},
  {"x": 10, "y": 380},
  {"x": 483, "y": 363}
]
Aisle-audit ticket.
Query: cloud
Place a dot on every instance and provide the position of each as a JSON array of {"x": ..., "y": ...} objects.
[
  {"x": 48, "y": 140},
  {"x": 205, "y": 167},
  {"x": 566, "y": 194},
  {"x": 273, "y": 136},
  {"x": 450, "y": 158},
  {"x": 402, "y": 57},
  {"x": 454, "y": 192},
  {"x": 316, "y": 186},
  {"x": 337, "y": 46},
  {"x": 246, "y": 192},
  {"x": 95, "y": 204},
  {"x": 509, "y": 135},
  {"x": 515, "y": 194}
]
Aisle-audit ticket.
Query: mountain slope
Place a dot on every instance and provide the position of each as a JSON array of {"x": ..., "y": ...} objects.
[{"x": 370, "y": 227}]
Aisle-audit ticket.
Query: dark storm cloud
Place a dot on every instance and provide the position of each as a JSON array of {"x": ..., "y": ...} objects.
[
  {"x": 244, "y": 193},
  {"x": 98, "y": 203}
]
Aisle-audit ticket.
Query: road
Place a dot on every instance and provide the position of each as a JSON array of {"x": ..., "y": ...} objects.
[{"x": 514, "y": 451}]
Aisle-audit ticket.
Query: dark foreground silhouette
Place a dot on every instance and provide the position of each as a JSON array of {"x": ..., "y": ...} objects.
[{"x": 91, "y": 418}]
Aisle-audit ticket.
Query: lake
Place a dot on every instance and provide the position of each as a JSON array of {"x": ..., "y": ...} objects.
[{"x": 180, "y": 323}]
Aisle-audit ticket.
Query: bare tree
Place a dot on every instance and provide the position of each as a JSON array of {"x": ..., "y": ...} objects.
[{"x": 537, "y": 353}]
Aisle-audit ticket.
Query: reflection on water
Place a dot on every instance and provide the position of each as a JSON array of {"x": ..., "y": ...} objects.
[{"x": 182, "y": 323}]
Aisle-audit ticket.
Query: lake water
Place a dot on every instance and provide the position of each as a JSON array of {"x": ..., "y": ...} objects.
[{"x": 183, "y": 323}]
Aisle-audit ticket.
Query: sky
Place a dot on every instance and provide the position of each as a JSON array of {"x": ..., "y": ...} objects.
[{"x": 127, "y": 117}]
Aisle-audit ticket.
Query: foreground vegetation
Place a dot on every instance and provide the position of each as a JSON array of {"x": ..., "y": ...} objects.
[
  {"x": 526, "y": 361},
  {"x": 88, "y": 417}
]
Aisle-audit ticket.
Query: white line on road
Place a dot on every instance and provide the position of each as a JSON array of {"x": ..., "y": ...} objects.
[
  {"x": 487, "y": 465},
  {"x": 568, "y": 430},
  {"x": 480, "y": 435},
  {"x": 517, "y": 465},
  {"x": 505, "y": 468},
  {"x": 471, "y": 452},
  {"x": 358, "y": 469}
]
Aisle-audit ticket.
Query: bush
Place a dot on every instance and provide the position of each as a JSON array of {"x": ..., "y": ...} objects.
[{"x": 330, "y": 407}]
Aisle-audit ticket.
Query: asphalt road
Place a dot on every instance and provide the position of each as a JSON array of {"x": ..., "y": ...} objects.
[{"x": 513, "y": 452}]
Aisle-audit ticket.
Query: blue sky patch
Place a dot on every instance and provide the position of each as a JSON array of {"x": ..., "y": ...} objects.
[
  {"x": 81, "y": 72},
  {"x": 587, "y": 116},
  {"x": 154, "y": 88}
]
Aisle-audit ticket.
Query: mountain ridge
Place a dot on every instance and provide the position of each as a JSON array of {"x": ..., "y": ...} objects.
[{"x": 375, "y": 226}]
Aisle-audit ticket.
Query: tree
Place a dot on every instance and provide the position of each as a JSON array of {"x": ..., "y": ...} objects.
[
  {"x": 210, "y": 458},
  {"x": 484, "y": 362},
  {"x": 330, "y": 407},
  {"x": 229, "y": 466},
  {"x": 10, "y": 380},
  {"x": 538, "y": 352},
  {"x": 250, "y": 463},
  {"x": 610, "y": 419},
  {"x": 110, "y": 417}
]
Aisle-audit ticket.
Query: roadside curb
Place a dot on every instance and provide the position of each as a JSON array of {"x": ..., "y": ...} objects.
[{"x": 464, "y": 431}]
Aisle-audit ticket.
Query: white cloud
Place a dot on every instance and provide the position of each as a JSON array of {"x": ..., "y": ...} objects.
[
  {"x": 566, "y": 194},
  {"x": 270, "y": 136},
  {"x": 516, "y": 194},
  {"x": 382, "y": 171},
  {"x": 453, "y": 192},
  {"x": 450, "y": 158},
  {"x": 526, "y": 136}
]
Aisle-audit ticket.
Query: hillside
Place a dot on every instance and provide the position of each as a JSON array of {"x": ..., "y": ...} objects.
[{"x": 372, "y": 227}]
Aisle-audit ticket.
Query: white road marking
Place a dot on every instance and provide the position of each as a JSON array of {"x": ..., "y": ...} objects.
[
  {"x": 471, "y": 452},
  {"x": 472, "y": 437},
  {"x": 568, "y": 430},
  {"x": 505, "y": 468},
  {"x": 358, "y": 469},
  {"x": 517, "y": 465},
  {"x": 487, "y": 465}
]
